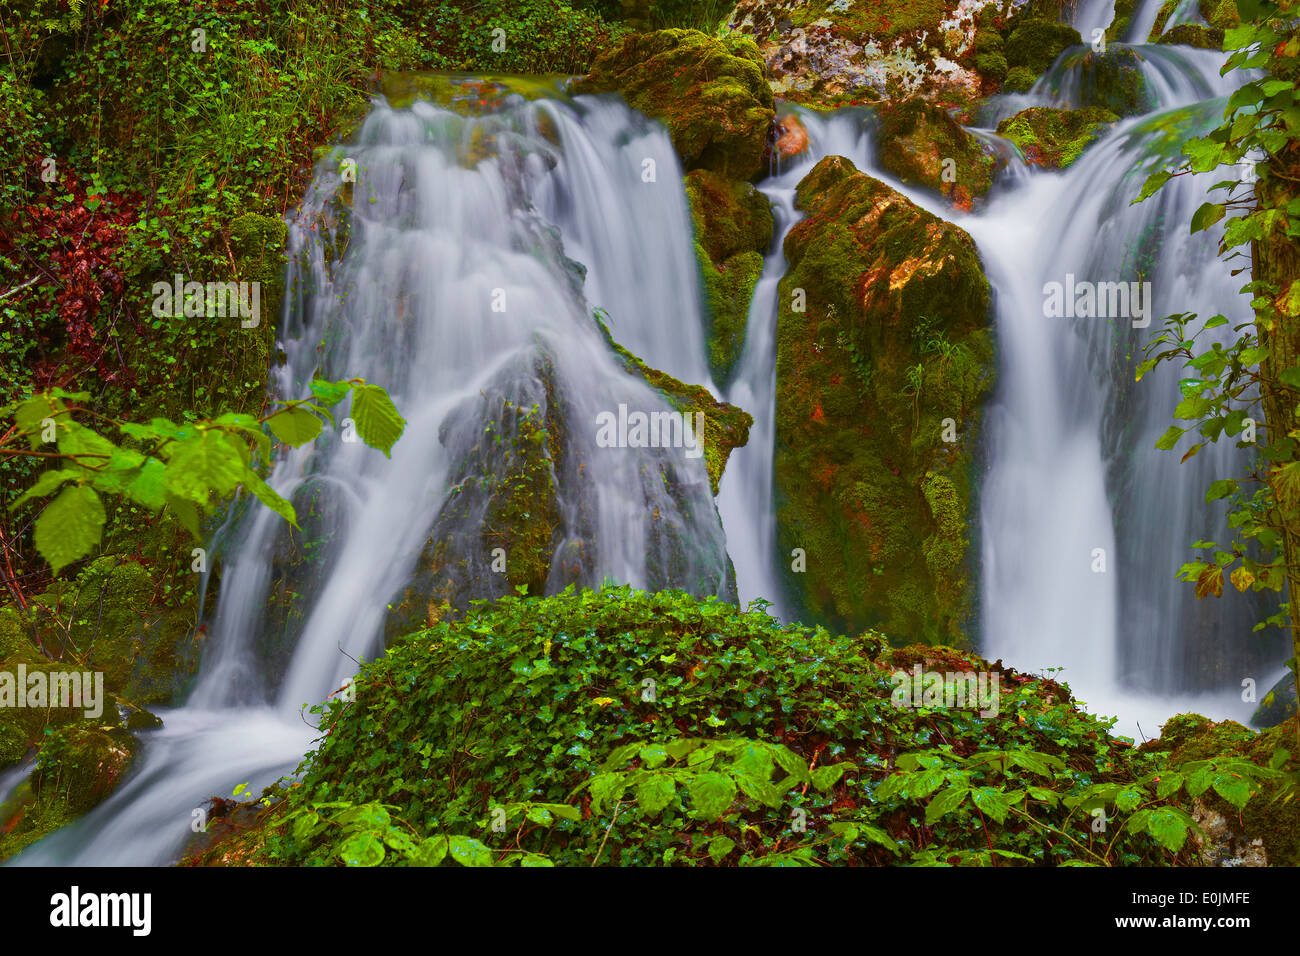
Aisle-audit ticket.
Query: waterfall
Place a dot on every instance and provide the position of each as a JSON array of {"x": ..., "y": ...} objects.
[
  {"x": 1075, "y": 483},
  {"x": 745, "y": 496},
  {"x": 464, "y": 282}
]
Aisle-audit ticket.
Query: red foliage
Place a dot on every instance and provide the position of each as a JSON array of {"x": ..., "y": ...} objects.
[{"x": 72, "y": 239}]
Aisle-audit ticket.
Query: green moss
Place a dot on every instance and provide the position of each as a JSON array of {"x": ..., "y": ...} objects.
[
  {"x": 1035, "y": 44},
  {"x": 992, "y": 65},
  {"x": 1112, "y": 80},
  {"x": 1221, "y": 14},
  {"x": 1020, "y": 79},
  {"x": 726, "y": 427},
  {"x": 465, "y": 93},
  {"x": 711, "y": 94},
  {"x": 894, "y": 299},
  {"x": 733, "y": 228},
  {"x": 921, "y": 143},
  {"x": 861, "y": 20},
  {"x": 1122, "y": 20},
  {"x": 1055, "y": 138},
  {"x": 1193, "y": 34}
]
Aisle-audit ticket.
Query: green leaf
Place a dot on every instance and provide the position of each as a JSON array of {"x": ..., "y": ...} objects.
[
  {"x": 376, "y": 417},
  {"x": 469, "y": 852},
  {"x": 269, "y": 497},
  {"x": 1170, "y": 438},
  {"x": 362, "y": 849},
  {"x": 654, "y": 793},
  {"x": 1233, "y": 788},
  {"x": 944, "y": 802},
  {"x": 1153, "y": 183},
  {"x": 825, "y": 777},
  {"x": 1207, "y": 215},
  {"x": 70, "y": 526},
  {"x": 294, "y": 426},
  {"x": 329, "y": 393},
  {"x": 48, "y": 482},
  {"x": 430, "y": 851},
  {"x": 201, "y": 464},
  {"x": 1169, "y": 826},
  {"x": 653, "y": 755},
  {"x": 719, "y": 847},
  {"x": 712, "y": 794},
  {"x": 996, "y": 803}
]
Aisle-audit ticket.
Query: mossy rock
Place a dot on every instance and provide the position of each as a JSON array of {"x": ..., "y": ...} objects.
[
  {"x": 1122, "y": 21},
  {"x": 921, "y": 143},
  {"x": 1020, "y": 79},
  {"x": 1221, "y": 14},
  {"x": 78, "y": 767},
  {"x": 733, "y": 227},
  {"x": 711, "y": 94},
  {"x": 1055, "y": 138},
  {"x": 466, "y": 93},
  {"x": 1277, "y": 704},
  {"x": 866, "y": 483},
  {"x": 1112, "y": 80},
  {"x": 726, "y": 427},
  {"x": 1193, "y": 34},
  {"x": 1035, "y": 44},
  {"x": 1274, "y": 824}
]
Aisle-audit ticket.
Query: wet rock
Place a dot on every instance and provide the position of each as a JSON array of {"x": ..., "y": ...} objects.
[
  {"x": 1193, "y": 34},
  {"x": 1277, "y": 704},
  {"x": 884, "y": 351},
  {"x": 1035, "y": 44},
  {"x": 1055, "y": 138},
  {"x": 733, "y": 228},
  {"x": 711, "y": 94},
  {"x": 921, "y": 143},
  {"x": 1112, "y": 81}
]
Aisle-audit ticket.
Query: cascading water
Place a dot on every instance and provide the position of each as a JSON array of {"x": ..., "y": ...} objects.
[
  {"x": 545, "y": 207},
  {"x": 1074, "y": 478},
  {"x": 456, "y": 289},
  {"x": 745, "y": 496}
]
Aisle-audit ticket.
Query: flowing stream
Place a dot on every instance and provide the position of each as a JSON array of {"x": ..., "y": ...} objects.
[{"x": 478, "y": 248}]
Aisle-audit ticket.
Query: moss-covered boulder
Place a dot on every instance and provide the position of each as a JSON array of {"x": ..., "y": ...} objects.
[
  {"x": 921, "y": 143},
  {"x": 1112, "y": 80},
  {"x": 710, "y": 93},
  {"x": 78, "y": 766},
  {"x": 733, "y": 228},
  {"x": 1055, "y": 138},
  {"x": 1122, "y": 22},
  {"x": 1193, "y": 34},
  {"x": 1221, "y": 14},
  {"x": 1265, "y": 831},
  {"x": 884, "y": 357},
  {"x": 1035, "y": 44}
]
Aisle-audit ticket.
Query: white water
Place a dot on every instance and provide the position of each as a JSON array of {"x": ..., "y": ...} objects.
[
  {"x": 1072, "y": 467},
  {"x": 447, "y": 211}
]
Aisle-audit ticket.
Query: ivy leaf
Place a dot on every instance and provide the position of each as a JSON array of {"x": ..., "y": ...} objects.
[
  {"x": 376, "y": 417},
  {"x": 719, "y": 847},
  {"x": 70, "y": 526}
]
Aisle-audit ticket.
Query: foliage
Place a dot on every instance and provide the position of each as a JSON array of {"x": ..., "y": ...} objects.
[
  {"x": 754, "y": 744},
  {"x": 188, "y": 468}
]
